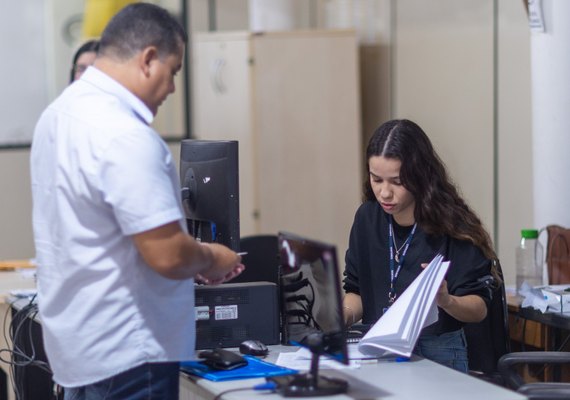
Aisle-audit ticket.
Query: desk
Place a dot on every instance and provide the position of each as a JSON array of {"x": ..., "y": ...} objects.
[
  {"x": 525, "y": 332},
  {"x": 545, "y": 324},
  {"x": 10, "y": 280},
  {"x": 542, "y": 331},
  {"x": 417, "y": 379}
]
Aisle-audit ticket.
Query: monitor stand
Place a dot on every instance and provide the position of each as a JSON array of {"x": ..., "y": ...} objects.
[{"x": 311, "y": 384}]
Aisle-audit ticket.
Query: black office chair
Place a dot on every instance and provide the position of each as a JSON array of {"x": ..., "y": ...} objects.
[
  {"x": 489, "y": 340},
  {"x": 508, "y": 367},
  {"x": 261, "y": 261}
]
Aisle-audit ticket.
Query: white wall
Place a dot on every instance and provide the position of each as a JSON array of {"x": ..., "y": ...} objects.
[
  {"x": 515, "y": 203},
  {"x": 23, "y": 70},
  {"x": 443, "y": 76},
  {"x": 16, "y": 240},
  {"x": 443, "y": 79}
]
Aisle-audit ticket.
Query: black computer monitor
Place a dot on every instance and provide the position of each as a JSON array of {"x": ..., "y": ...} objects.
[
  {"x": 209, "y": 176},
  {"x": 312, "y": 316}
]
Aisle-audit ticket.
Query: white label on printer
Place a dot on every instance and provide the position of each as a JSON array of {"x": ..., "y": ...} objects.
[
  {"x": 226, "y": 312},
  {"x": 202, "y": 313}
]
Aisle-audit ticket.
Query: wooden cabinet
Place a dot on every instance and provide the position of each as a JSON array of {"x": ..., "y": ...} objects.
[
  {"x": 291, "y": 99},
  {"x": 530, "y": 330},
  {"x": 527, "y": 333}
]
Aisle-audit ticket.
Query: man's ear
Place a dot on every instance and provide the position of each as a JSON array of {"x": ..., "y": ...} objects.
[{"x": 147, "y": 56}]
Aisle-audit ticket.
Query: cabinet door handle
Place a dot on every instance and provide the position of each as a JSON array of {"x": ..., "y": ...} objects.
[{"x": 216, "y": 75}]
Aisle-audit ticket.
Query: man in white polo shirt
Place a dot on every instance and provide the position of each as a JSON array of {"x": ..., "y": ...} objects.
[{"x": 116, "y": 266}]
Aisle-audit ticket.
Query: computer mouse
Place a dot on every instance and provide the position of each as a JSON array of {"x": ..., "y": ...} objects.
[
  {"x": 253, "y": 347},
  {"x": 222, "y": 359}
]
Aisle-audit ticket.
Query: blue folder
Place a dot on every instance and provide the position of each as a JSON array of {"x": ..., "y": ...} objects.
[{"x": 255, "y": 368}]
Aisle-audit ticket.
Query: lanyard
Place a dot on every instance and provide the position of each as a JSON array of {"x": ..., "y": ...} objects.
[{"x": 394, "y": 272}]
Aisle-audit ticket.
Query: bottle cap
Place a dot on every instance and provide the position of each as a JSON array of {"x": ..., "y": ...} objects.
[{"x": 529, "y": 233}]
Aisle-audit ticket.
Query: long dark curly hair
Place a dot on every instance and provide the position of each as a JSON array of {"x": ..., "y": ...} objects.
[{"x": 439, "y": 209}]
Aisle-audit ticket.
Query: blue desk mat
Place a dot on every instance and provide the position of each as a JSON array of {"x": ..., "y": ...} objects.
[{"x": 255, "y": 368}]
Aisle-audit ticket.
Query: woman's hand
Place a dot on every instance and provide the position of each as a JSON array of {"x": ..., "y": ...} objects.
[
  {"x": 352, "y": 308},
  {"x": 443, "y": 298},
  {"x": 468, "y": 308}
]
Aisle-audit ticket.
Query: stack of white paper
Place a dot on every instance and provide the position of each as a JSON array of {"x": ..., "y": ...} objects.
[{"x": 399, "y": 328}]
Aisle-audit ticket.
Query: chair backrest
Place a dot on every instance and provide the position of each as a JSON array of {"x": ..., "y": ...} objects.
[
  {"x": 558, "y": 254},
  {"x": 489, "y": 339},
  {"x": 261, "y": 261}
]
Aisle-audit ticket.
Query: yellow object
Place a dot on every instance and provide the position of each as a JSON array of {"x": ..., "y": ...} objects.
[
  {"x": 98, "y": 13},
  {"x": 9, "y": 265}
]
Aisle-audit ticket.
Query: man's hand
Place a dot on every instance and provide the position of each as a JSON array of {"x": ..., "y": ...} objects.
[
  {"x": 231, "y": 275},
  {"x": 225, "y": 266}
]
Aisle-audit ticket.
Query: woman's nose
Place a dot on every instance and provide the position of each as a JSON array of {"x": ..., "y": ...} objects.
[{"x": 385, "y": 192}]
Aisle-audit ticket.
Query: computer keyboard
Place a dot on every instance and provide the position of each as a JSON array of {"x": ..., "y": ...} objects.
[{"x": 353, "y": 336}]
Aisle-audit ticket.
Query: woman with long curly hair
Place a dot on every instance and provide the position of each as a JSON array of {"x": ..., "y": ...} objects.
[{"x": 411, "y": 212}]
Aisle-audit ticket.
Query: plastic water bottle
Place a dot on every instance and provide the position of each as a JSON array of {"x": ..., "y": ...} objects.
[{"x": 528, "y": 259}]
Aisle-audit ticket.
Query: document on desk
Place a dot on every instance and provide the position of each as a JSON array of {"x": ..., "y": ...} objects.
[
  {"x": 397, "y": 331},
  {"x": 301, "y": 360}
]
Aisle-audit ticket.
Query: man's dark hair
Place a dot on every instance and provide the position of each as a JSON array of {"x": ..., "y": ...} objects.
[{"x": 138, "y": 26}]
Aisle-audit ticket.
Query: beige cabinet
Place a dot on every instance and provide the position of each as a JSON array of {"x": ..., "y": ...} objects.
[{"x": 291, "y": 99}]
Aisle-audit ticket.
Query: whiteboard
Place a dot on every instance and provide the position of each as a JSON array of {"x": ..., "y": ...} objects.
[
  {"x": 35, "y": 67},
  {"x": 23, "y": 70}
]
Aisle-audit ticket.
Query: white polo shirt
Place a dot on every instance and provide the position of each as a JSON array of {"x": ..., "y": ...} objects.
[{"x": 99, "y": 175}]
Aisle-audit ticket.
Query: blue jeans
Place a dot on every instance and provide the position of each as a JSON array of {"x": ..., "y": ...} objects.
[
  {"x": 449, "y": 349},
  {"x": 151, "y": 381}
]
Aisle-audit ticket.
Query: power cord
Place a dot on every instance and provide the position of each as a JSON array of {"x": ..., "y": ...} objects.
[
  {"x": 262, "y": 386},
  {"x": 19, "y": 333}
]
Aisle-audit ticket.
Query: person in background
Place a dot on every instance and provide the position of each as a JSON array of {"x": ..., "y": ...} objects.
[
  {"x": 116, "y": 267},
  {"x": 84, "y": 57},
  {"x": 411, "y": 212}
]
